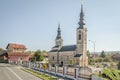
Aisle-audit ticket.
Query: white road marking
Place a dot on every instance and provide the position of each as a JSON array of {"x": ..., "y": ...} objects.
[{"x": 14, "y": 73}]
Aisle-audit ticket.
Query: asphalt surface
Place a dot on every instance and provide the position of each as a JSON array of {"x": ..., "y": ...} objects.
[{"x": 12, "y": 72}]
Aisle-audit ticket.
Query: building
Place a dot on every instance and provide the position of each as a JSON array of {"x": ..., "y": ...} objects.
[
  {"x": 3, "y": 56},
  {"x": 71, "y": 54},
  {"x": 116, "y": 57},
  {"x": 95, "y": 55},
  {"x": 17, "y": 53}
]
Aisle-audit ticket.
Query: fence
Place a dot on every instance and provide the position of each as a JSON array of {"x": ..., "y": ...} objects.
[{"x": 71, "y": 73}]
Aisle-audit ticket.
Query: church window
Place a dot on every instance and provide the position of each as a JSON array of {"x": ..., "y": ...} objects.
[
  {"x": 20, "y": 58},
  {"x": 53, "y": 57},
  {"x": 79, "y": 35},
  {"x": 67, "y": 57}
]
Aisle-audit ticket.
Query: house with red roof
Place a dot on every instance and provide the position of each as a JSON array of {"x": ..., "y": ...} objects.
[{"x": 17, "y": 53}]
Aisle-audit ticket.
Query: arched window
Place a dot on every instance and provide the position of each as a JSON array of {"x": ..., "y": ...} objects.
[
  {"x": 79, "y": 36},
  {"x": 53, "y": 57}
]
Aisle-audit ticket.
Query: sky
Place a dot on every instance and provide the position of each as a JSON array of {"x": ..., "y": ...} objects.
[{"x": 34, "y": 23}]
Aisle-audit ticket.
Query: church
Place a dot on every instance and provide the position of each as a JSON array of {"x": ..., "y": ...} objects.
[{"x": 71, "y": 54}]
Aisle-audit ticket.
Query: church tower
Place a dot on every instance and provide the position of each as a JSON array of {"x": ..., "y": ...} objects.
[
  {"x": 82, "y": 40},
  {"x": 59, "y": 40}
]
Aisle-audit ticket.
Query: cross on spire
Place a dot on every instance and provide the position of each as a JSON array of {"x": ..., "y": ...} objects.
[{"x": 81, "y": 1}]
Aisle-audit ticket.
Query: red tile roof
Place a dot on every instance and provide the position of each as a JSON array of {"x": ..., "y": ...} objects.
[{"x": 20, "y": 46}]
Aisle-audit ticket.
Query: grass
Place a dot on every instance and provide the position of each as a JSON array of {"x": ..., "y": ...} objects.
[
  {"x": 111, "y": 74},
  {"x": 39, "y": 74}
]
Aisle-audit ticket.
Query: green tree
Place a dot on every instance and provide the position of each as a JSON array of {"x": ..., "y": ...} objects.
[
  {"x": 89, "y": 59},
  {"x": 118, "y": 65},
  {"x": 1, "y": 49},
  {"x": 99, "y": 59},
  {"x": 38, "y": 55},
  {"x": 88, "y": 53},
  {"x": 72, "y": 61},
  {"x": 103, "y": 55}
]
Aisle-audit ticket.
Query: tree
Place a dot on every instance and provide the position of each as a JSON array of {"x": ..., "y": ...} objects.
[
  {"x": 118, "y": 65},
  {"x": 72, "y": 61},
  {"x": 102, "y": 54},
  {"x": 88, "y": 53},
  {"x": 38, "y": 55},
  {"x": 99, "y": 59},
  {"x": 107, "y": 58},
  {"x": 1, "y": 49},
  {"x": 89, "y": 59}
]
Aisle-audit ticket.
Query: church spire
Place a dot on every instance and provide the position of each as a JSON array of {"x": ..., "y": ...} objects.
[
  {"x": 58, "y": 32},
  {"x": 59, "y": 41},
  {"x": 81, "y": 22}
]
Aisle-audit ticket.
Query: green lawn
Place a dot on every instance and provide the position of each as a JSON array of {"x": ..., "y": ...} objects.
[{"x": 39, "y": 74}]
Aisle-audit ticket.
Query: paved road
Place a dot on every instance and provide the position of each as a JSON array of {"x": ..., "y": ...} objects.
[{"x": 11, "y": 72}]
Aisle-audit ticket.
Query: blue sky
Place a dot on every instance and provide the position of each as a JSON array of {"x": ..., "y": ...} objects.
[{"x": 34, "y": 23}]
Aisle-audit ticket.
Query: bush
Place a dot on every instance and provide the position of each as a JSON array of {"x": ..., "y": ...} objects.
[
  {"x": 118, "y": 65},
  {"x": 111, "y": 74},
  {"x": 53, "y": 65}
]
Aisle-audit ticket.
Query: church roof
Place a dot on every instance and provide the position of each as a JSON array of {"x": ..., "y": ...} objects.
[
  {"x": 55, "y": 46},
  {"x": 66, "y": 48},
  {"x": 53, "y": 50},
  {"x": 77, "y": 55}
]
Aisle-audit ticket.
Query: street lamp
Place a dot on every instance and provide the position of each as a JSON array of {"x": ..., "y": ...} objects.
[{"x": 93, "y": 49}]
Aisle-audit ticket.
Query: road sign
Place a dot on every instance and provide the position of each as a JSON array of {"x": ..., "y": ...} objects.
[{"x": 44, "y": 66}]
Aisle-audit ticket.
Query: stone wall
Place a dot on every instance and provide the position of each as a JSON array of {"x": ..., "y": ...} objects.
[{"x": 64, "y": 57}]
